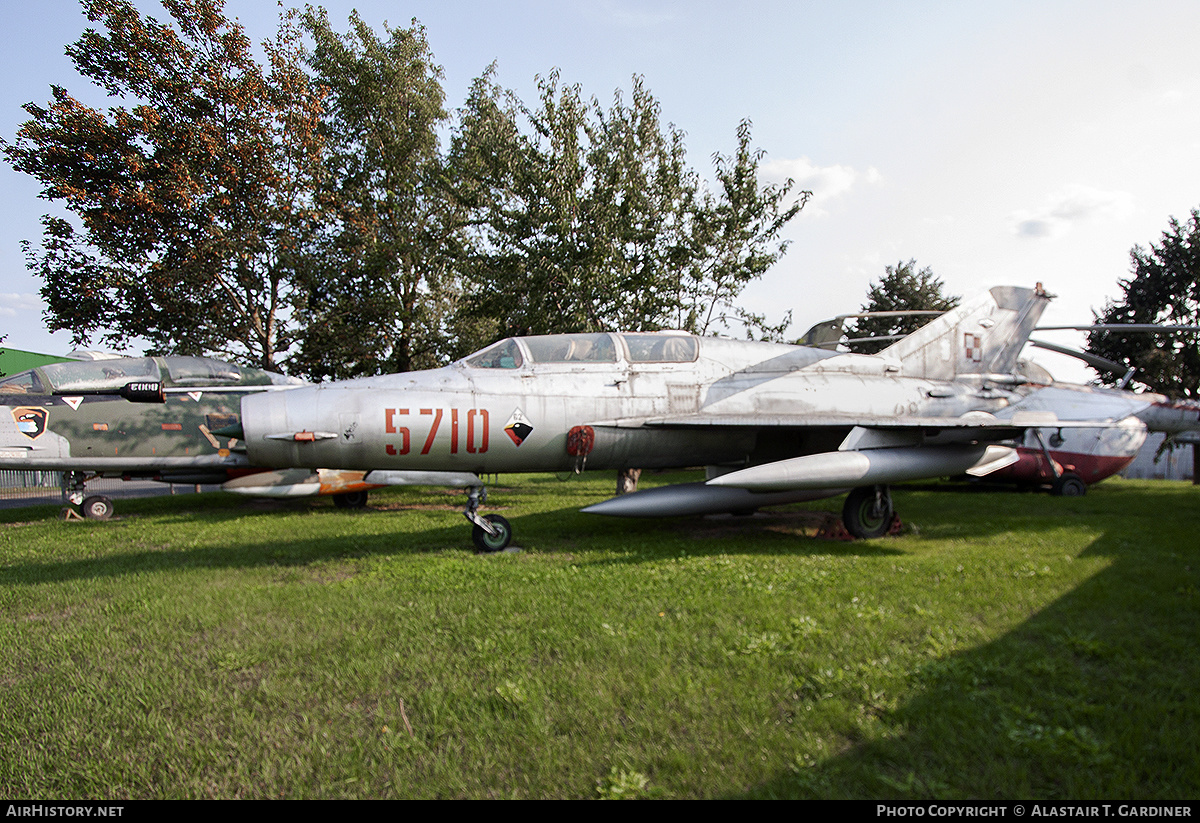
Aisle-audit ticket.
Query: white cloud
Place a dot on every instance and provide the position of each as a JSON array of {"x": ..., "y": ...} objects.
[
  {"x": 1068, "y": 206},
  {"x": 825, "y": 182},
  {"x": 11, "y": 304}
]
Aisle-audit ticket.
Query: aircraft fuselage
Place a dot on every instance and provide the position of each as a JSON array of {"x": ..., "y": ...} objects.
[{"x": 546, "y": 416}]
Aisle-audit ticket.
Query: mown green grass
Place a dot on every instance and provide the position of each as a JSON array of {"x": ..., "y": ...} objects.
[{"x": 1007, "y": 645}]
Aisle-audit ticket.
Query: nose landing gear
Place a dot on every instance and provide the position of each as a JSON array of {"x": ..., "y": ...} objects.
[{"x": 492, "y": 533}]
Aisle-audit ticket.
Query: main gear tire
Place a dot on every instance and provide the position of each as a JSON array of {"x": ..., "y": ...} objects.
[
  {"x": 351, "y": 500},
  {"x": 868, "y": 513},
  {"x": 97, "y": 507},
  {"x": 1069, "y": 485}
]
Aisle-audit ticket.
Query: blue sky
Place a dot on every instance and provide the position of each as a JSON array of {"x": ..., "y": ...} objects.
[{"x": 1010, "y": 142}]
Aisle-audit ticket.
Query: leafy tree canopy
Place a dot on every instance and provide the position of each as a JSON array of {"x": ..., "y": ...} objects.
[
  {"x": 1164, "y": 288},
  {"x": 300, "y": 214},
  {"x": 902, "y": 288},
  {"x": 383, "y": 287},
  {"x": 588, "y": 218},
  {"x": 191, "y": 198}
]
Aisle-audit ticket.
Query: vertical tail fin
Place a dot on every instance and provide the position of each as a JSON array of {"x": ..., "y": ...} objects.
[{"x": 982, "y": 336}]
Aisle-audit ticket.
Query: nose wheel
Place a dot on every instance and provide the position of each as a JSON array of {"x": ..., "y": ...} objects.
[
  {"x": 491, "y": 533},
  {"x": 495, "y": 541}
]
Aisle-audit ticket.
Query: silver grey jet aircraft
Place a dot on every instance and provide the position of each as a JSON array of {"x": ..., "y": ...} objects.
[{"x": 773, "y": 423}]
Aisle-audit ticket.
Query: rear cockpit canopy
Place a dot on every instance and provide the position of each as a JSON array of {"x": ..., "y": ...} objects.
[
  {"x": 205, "y": 371},
  {"x": 648, "y": 347}
]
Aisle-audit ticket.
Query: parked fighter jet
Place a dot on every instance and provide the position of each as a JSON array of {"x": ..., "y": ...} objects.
[
  {"x": 1071, "y": 460},
  {"x": 775, "y": 423},
  {"x": 160, "y": 418},
  {"x": 1066, "y": 461}
]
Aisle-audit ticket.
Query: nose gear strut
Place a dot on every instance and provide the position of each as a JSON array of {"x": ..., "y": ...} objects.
[{"x": 492, "y": 533}]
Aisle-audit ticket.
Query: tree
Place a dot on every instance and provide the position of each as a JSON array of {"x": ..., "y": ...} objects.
[
  {"x": 1164, "y": 289},
  {"x": 547, "y": 208},
  {"x": 190, "y": 198},
  {"x": 734, "y": 240},
  {"x": 382, "y": 295},
  {"x": 589, "y": 219},
  {"x": 902, "y": 288}
]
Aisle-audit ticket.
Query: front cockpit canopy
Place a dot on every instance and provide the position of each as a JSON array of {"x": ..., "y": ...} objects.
[{"x": 648, "y": 347}]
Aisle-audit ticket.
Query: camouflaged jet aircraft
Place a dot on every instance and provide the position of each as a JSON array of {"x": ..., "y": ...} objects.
[
  {"x": 773, "y": 423},
  {"x": 160, "y": 418}
]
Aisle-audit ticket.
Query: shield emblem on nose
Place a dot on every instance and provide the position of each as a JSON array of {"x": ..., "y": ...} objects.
[{"x": 30, "y": 422}]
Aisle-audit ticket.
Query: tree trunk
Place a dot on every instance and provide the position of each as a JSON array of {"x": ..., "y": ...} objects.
[{"x": 627, "y": 480}]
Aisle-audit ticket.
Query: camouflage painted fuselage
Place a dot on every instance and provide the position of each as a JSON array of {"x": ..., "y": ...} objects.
[{"x": 50, "y": 417}]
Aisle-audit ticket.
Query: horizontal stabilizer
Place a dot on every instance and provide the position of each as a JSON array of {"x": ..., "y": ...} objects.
[
  {"x": 382, "y": 477},
  {"x": 117, "y": 465},
  {"x": 309, "y": 482}
]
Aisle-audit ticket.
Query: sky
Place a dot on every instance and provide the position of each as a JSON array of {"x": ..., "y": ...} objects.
[{"x": 996, "y": 143}]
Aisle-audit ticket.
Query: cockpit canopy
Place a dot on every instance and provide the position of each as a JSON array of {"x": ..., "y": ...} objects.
[
  {"x": 91, "y": 375},
  {"x": 205, "y": 371},
  {"x": 649, "y": 347}
]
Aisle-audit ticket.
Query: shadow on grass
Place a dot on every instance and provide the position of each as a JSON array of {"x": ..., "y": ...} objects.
[
  {"x": 1097, "y": 696},
  {"x": 565, "y": 530},
  {"x": 559, "y": 531}
]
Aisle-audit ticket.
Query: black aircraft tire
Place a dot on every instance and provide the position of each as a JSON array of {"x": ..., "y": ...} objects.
[
  {"x": 97, "y": 507},
  {"x": 351, "y": 500},
  {"x": 860, "y": 517},
  {"x": 1069, "y": 485},
  {"x": 487, "y": 543}
]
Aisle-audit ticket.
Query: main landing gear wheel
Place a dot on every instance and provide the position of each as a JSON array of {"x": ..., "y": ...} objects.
[
  {"x": 97, "y": 507},
  {"x": 351, "y": 500},
  {"x": 868, "y": 511},
  {"x": 1069, "y": 485},
  {"x": 489, "y": 543}
]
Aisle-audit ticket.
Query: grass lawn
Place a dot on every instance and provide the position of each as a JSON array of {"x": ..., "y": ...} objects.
[{"x": 1007, "y": 645}]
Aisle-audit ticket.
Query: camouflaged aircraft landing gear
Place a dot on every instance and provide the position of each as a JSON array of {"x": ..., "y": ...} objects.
[
  {"x": 93, "y": 507},
  {"x": 868, "y": 512},
  {"x": 492, "y": 533},
  {"x": 351, "y": 500}
]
